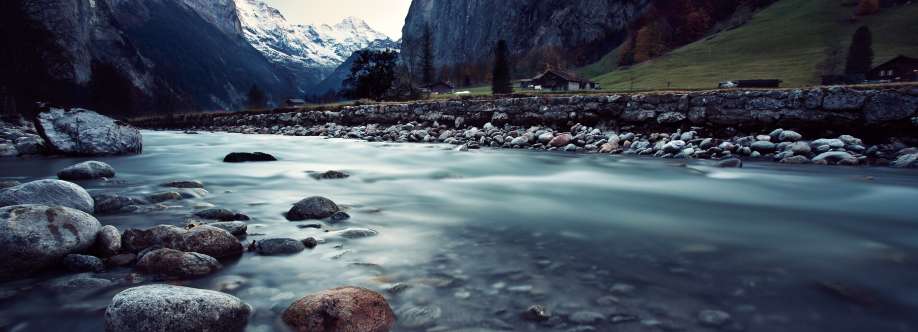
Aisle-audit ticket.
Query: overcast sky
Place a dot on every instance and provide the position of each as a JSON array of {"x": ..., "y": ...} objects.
[{"x": 386, "y": 16}]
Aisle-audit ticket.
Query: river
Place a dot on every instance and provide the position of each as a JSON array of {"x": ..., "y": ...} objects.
[{"x": 468, "y": 240}]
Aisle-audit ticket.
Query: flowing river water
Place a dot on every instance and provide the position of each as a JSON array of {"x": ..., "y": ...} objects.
[{"x": 469, "y": 240}]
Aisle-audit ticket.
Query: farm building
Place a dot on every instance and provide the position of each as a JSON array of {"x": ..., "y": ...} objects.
[
  {"x": 899, "y": 69},
  {"x": 556, "y": 80}
]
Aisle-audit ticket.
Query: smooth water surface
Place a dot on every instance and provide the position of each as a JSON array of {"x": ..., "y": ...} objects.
[{"x": 474, "y": 238}]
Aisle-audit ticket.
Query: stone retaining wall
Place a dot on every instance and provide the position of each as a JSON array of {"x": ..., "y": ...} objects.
[{"x": 870, "y": 112}]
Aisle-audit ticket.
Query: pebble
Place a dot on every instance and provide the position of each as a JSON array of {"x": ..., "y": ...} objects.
[{"x": 89, "y": 170}]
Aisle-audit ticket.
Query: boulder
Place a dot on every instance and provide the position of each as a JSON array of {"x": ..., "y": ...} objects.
[
  {"x": 204, "y": 239},
  {"x": 112, "y": 203},
  {"x": 108, "y": 241},
  {"x": 35, "y": 237},
  {"x": 906, "y": 161},
  {"x": 221, "y": 215},
  {"x": 174, "y": 264},
  {"x": 836, "y": 157},
  {"x": 8, "y": 150},
  {"x": 89, "y": 170},
  {"x": 345, "y": 309},
  {"x": 243, "y": 157},
  {"x": 84, "y": 132},
  {"x": 271, "y": 247},
  {"x": 30, "y": 144},
  {"x": 173, "y": 308},
  {"x": 561, "y": 140},
  {"x": 790, "y": 136},
  {"x": 236, "y": 228},
  {"x": 83, "y": 263},
  {"x": 315, "y": 207},
  {"x": 48, "y": 192},
  {"x": 763, "y": 146}
]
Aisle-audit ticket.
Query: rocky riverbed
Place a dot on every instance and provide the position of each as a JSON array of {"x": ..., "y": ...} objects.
[
  {"x": 421, "y": 237},
  {"x": 779, "y": 145}
]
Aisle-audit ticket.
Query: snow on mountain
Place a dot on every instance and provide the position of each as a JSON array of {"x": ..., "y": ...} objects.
[{"x": 321, "y": 46}]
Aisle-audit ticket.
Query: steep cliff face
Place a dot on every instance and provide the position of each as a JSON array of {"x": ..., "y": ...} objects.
[{"x": 465, "y": 31}]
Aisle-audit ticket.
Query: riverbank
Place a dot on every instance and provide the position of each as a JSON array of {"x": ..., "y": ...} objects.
[{"x": 834, "y": 125}]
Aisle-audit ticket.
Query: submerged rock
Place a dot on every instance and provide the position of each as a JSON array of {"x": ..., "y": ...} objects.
[
  {"x": 174, "y": 308},
  {"x": 345, "y": 309},
  {"x": 413, "y": 317},
  {"x": 184, "y": 184},
  {"x": 84, "y": 132},
  {"x": 174, "y": 264},
  {"x": 204, "y": 239},
  {"x": 536, "y": 313},
  {"x": 271, "y": 247},
  {"x": 329, "y": 175},
  {"x": 315, "y": 207},
  {"x": 242, "y": 157},
  {"x": 89, "y": 170},
  {"x": 353, "y": 233},
  {"x": 35, "y": 237},
  {"x": 730, "y": 163},
  {"x": 48, "y": 192},
  {"x": 221, "y": 215}
]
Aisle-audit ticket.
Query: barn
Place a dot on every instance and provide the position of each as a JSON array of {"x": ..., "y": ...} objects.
[{"x": 556, "y": 80}]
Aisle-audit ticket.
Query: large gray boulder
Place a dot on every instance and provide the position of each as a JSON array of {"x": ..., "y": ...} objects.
[
  {"x": 83, "y": 132},
  {"x": 203, "y": 239},
  {"x": 48, "y": 192},
  {"x": 165, "y": 308},
  {"x": 35, "y": 237},
  {"x": 88, "y": 170}
]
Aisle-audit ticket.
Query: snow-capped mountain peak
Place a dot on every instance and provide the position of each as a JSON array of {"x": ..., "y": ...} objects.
[{"x": 323, "y": 46}]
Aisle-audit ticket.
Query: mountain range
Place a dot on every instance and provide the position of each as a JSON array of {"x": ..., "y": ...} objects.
[{"x": 176, "y": 54}]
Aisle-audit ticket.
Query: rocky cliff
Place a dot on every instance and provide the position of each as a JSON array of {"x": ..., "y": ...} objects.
[{"x": 465, "y": 31}]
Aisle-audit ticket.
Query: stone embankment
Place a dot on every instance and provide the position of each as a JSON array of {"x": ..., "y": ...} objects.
[{"x": 868, "y": 112}]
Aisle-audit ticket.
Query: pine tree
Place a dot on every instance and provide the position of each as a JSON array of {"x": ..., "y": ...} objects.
[
  {"x": 860, "y": 54},
  {"x": 427, "y": 60},
  {"x": 500, "y": 83},
  {"x": 257, "y": 98}
]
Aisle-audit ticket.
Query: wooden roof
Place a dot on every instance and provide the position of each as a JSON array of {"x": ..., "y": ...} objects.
[{"x": 562, "y": 74}]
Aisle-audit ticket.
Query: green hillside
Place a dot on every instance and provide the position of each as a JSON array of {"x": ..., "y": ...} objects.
[{"x": 789, "y": 40}]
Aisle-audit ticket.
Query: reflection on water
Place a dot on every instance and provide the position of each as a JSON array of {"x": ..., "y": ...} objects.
[{"x": 469, "y": 240}]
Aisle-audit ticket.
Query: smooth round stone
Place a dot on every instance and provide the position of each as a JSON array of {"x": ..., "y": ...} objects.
[
  {"x": 790, "y": 136},
  {"x": 50, "y": 193},
  {"x": 730, "y": 163},
  {"x": 315, "y": 207},
  {"x": 89, "y": 170},
  {"x": 203, "y": 239},
  {"x": 108, "y": 241},
  {"x": 329, "y": 175},
  {"x": 111, "y": 203},
  {"x": 271, "y": 247},
  {"x": 345, "y": 309},
  {"x": 174, "y": 308},
  {"x": 763, "y": 146},
  {"x": 35, "y": 237},
  {"x": 174, "y": 264},
  {"x": 184, "y": 184}
]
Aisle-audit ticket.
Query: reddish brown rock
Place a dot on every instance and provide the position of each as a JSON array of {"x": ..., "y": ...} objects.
[
  {"x": 561, "y": 140},
  {"x": 345, "y": 309}
]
